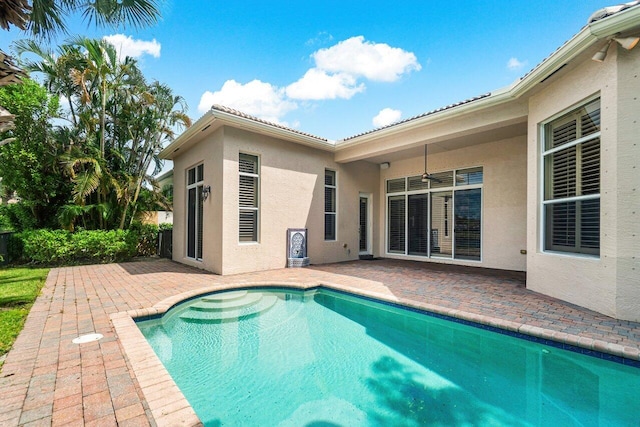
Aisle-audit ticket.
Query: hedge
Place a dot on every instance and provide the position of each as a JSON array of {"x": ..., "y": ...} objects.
[{"x": 61, "y": 247}]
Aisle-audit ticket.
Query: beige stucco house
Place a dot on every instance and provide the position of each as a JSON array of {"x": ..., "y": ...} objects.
[{"x": 542, "y": 176}]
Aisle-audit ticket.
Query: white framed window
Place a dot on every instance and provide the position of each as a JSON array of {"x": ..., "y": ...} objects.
[
  {"x": 248, "y": 198},
  {"x": 330, "y": 211},
  {"x": 195, "y": 211},
  {"x": 441, "y": 218},
  {"x": 571, "y": 181}
]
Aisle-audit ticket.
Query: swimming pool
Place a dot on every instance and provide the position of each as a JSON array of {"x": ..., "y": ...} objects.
[{"x": 319, "y": 357}]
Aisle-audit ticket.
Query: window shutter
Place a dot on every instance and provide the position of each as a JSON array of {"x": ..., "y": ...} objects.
[
  {"x": 329, "y": 200},
  {"x": 442, "y": 179},
  {"x": 248, "y": 164},
  {"x": 330, "y": 212},
  {"x": 329, "y": 227},
  {"x": 248, "y": 226},
  {"x": 572, "y": 170},
  {"x": 248, "y": 198},
  {"x": 248, "y": 194},
  {"x": 564, "y": 133},
  {"x": 415, "y": 183},
  {"x": 395, "y": 185},
  {"x": 590, "y": 167},
  {"x": 563, "y": 173},
  {"x": 469, "y": 176}
]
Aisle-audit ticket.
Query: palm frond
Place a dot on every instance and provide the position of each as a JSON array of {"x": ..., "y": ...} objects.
[
  {"x": 134, "y": 13},
  {"x": 85, "y": 183},
  {"x": 46, "y": 19}
]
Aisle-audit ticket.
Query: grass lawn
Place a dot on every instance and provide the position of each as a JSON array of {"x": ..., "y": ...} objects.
[{"x": 19, "y": 288}]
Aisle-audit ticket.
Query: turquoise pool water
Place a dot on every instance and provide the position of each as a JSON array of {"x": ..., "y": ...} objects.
[{"x": 322, "y": 358}]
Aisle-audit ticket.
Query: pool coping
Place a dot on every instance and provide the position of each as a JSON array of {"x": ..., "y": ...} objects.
[{"x": 169, "y": 407}]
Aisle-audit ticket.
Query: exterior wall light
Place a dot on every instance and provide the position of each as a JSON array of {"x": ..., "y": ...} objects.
[
  {"x": 206, "y": 190},
  {"x": 626, "y": 42}
]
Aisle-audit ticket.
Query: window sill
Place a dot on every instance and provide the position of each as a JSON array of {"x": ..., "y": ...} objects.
[{"x": 572, "y": 255}]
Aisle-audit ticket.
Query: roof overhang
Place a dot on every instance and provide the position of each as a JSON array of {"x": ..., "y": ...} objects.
[
  {"x": 215, "y": 118},
  {"x": 451, "y": 129}
]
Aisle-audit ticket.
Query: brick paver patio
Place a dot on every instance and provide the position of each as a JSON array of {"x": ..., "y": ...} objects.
[{"x": 48, "y": 380}]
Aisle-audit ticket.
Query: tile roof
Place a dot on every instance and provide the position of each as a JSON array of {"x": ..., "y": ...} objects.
[
  {"x": 428, "y": 113},
  {"x": 611, "y": 10},
  {"x": 237, "y": 113}
]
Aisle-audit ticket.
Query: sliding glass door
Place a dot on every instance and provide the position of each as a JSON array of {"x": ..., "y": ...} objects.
[
  {"x": 441, "y": 218},
  {"x": 467, "y": 217},
  {"x": 418, "y": 224}
]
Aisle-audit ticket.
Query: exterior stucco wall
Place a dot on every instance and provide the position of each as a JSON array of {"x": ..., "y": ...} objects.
[
  {"x": 209, "y": 153},
  {"x": 291, "y": 196},
  {"x": 583, "y": 280},
  {"x": 503, "y": 199},
  {"x": 628, "y": 186}
]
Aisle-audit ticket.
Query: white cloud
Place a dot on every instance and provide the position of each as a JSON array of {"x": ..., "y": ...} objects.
[
  {"x": 338, "y": 74},
  {"x": 317, "y": 84},
  {"x": 257, "y": 98},
  {"x": 374, "y": 61},
  {"x": 386, "y": 116},
  {"x": 514, "y": 64},
  {"x": 128, "y": 46}
]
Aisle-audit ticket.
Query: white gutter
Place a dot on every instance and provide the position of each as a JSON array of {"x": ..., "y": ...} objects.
[
  {"x": 240, "y": 122},
  {"x": 496, "y": 98},
  {"x": 236, "y": 121}
]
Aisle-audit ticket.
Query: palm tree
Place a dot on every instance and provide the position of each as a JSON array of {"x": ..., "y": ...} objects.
[
  {"x": 55, "y": 68},
  {"x": 45, "y": 18},
  {"x": 119, "y": 124},
  {"x": 160, "y": 113}
]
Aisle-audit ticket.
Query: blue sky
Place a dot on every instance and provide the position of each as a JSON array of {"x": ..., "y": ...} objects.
[{"x": 338, "y": 68}]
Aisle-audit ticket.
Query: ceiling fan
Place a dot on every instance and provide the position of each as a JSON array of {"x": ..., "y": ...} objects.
[{"x": 426, "y": 177}]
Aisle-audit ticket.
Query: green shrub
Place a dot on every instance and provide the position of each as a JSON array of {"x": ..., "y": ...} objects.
[
  {"x": 45, "y": 246},
  {"x": 16, "y": 216},
  {"x": 99, "y": 246},
  {"x": 146, "y": 239},
  {"x": 5, "y": 222},
  {"x": 61, "y": 247}
]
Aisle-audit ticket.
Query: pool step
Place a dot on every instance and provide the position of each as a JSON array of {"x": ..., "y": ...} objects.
[
  {"x": 218, "y": 316},
  {"x": 207, "y": 304},
  {"x": 225, "y": 296}
]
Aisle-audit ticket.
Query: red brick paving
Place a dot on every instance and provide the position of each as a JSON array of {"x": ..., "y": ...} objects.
[
  {"x": 487, "y": 292},
  {"x": 48, "y": 380}
]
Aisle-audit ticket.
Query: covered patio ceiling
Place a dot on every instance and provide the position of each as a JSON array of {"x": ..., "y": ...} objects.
[{"x": 449, "y": 131}]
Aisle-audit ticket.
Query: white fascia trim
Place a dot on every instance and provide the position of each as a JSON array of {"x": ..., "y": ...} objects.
[
  {"x": 204, "y": 121},
  {"x": 238, "y": 122},
  {"x": 497, "y": 97}
]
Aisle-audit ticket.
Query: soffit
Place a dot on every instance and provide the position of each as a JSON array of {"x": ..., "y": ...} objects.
[{"x": 477, "y": 126}]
